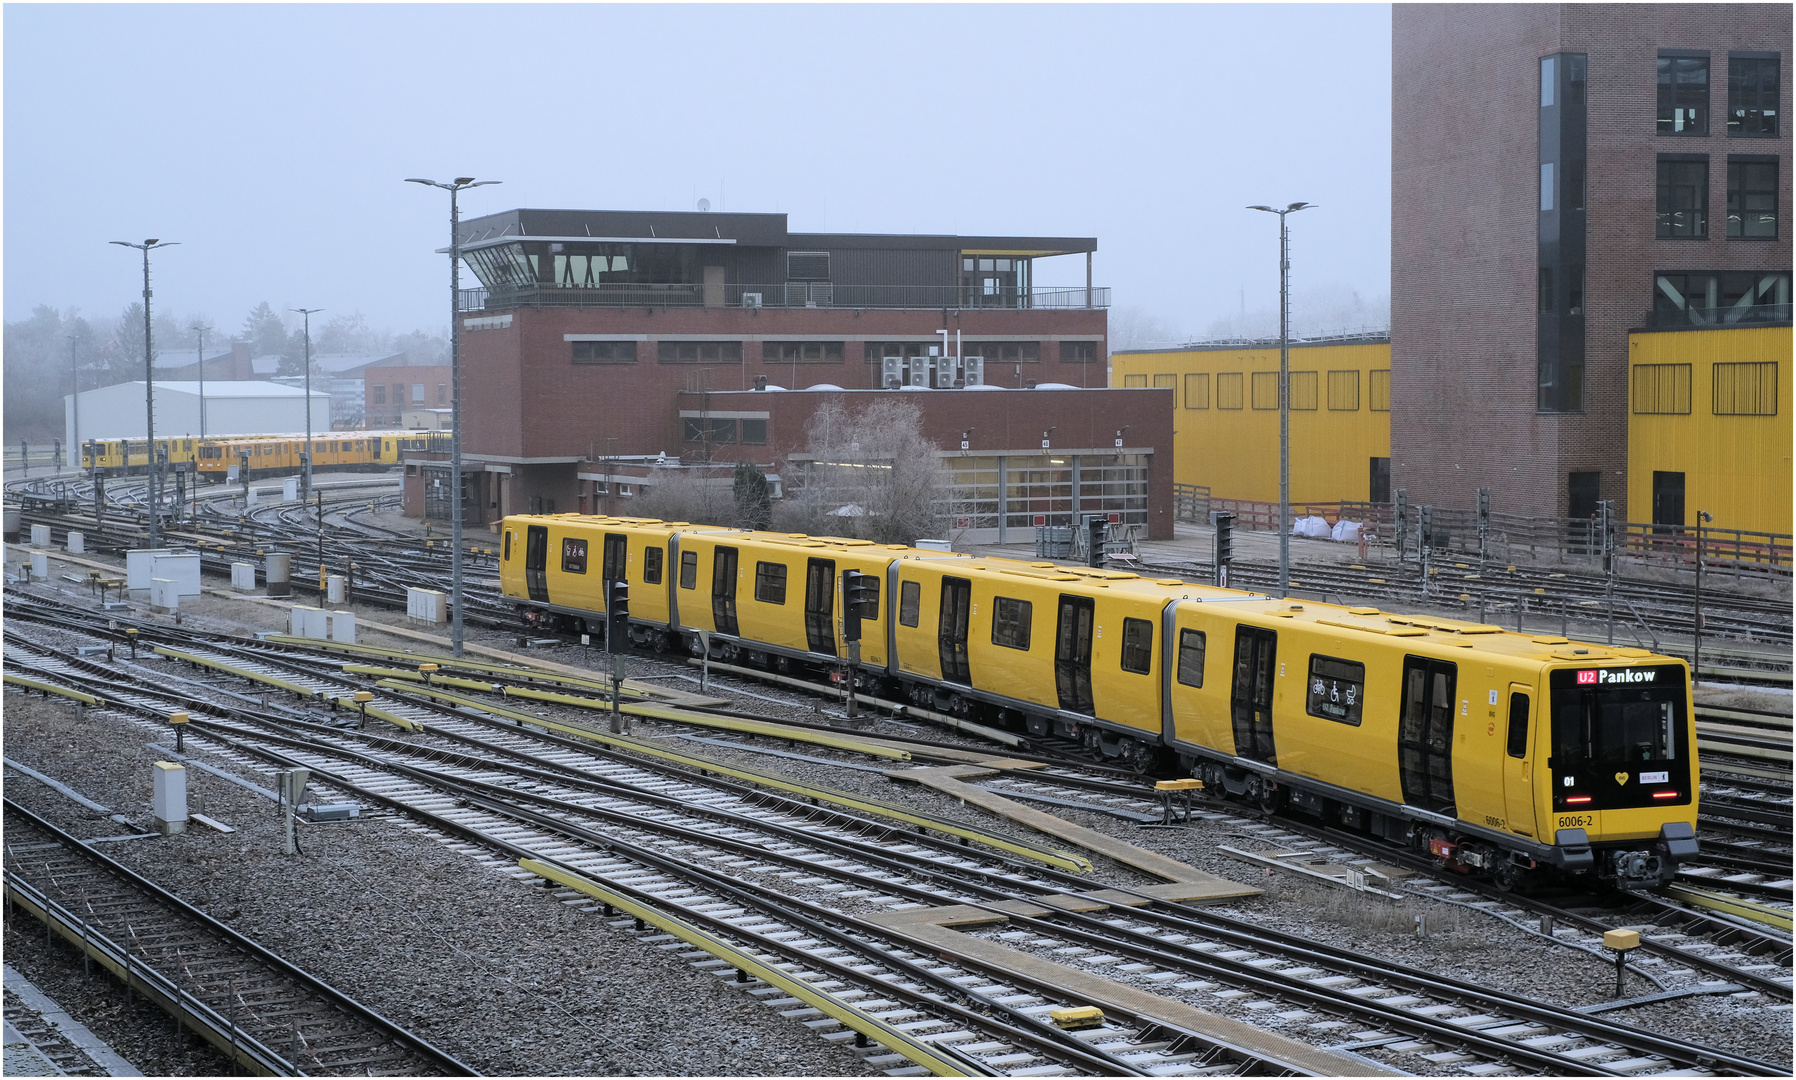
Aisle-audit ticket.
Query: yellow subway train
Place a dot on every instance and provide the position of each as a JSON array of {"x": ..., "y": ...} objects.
[
  {"x": 266, "y": 455},
  {"x": 1508, "y": 755}
]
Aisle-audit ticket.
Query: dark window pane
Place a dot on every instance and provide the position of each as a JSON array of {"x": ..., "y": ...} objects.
[
  {"x": 754, "y": 432},
  {"x": 1752, "y": 200},
  {"x": 1683, "y": 95},
  {"x": 1191, "y": 657},
  {"x": 651, "y": 566},
  {"x": 688, "y": 569},
  {"x": 1138, "y": 646},
  {"x": 770, "y": 582},
  {"x": 1336, "y": 689},
  {"x": 1752, "y": 95},
  {"x": 1011, "y": 622},
  {"x": 1546, "y": 290},
  {"x": 910, "y": 597},
  {"x": 1683, "y": 199}
]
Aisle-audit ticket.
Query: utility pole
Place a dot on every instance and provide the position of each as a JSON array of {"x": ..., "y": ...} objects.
[
  {"x": 75, "y": 400},
  {"x": 454, "y": 188},
  {"x": 200, "y": 329},
  {"x": 149, "y": 387},
  {"x": 1284, "y": 393},
  {"x": 305, "y": 473},
  {"x": 1702, "y": 517}
]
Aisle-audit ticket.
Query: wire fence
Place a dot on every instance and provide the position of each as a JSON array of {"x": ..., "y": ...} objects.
[{"x": 1514, "y": 537}]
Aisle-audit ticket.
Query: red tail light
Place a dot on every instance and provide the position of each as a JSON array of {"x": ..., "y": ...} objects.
[
  {"x": 1577, "y": 798},
  {"x": 1665, "y": 794}
]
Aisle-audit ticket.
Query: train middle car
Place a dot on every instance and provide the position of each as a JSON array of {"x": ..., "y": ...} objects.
[{"x": 1506, "y": 755}]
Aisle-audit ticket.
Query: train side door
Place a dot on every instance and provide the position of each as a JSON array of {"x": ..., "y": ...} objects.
[
  {"x": 957, "y": 608},
  {"x": 1518, "y": 761},
  {"x": 1072, "y": 654},
  {"x": 1425, "y": 734},
  {"x": 536, "y": 562},
  {"x": 820, "y": 606},
  {"x": 614, "y": 567},
  {"x": 723, "y": 590},
  {"x": 1256, "y": 651}
]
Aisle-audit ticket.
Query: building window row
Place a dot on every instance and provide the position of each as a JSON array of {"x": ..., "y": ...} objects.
[
  {"x": 604, "y": 352},
  {"x": 1745, "y": 389},
  {"x": 1752, "y": 93},
  {"x": 1723, "y": 298},
  {"x": 725, "y": 431},
  {"x": 1683, "y": 203},
  {"x": 1343, "y": 389}
]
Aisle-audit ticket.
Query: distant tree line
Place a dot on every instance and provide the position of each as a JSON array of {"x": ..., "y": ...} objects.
[{"x": 50, "y": 348}]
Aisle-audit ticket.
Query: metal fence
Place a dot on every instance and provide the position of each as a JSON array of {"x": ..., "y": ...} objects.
[
  {"x": 1515, "y": 538},
  {"x": 788, "y": 294}
]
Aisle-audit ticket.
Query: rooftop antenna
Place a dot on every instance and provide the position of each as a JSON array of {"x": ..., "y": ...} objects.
[{"x": 704, "y": 205}]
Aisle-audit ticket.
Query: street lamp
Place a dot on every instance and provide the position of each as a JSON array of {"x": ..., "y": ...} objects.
[
  {"x": 1284, "y": 393},
  {"x": 454, "y": 188},
  {"x": 305, "y": 475},
  {"x": 149, "y": 387},
  {"x": 75, "y": 398},
  {"x": 200, "y": 328},
  {"x": 1702, "y": 517}
]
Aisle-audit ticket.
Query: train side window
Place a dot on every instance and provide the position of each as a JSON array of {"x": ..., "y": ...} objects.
[
  {"x": 1191, "y": 657},
  {"x": 1138, "y": 646},
  {"x": 651, "y": 566},
  {"x": 910, "y": 600},
  {"x": 1337, "y": 689},
  {"x": 573, "y": 556},
  {"x": 507, "y": 545},
  {"x": 688, "y": 569},
  {"x": 770, "y": 582},
  {"x": 1011, "y": 621},
  {"x": 872, "y": 611},
  {"x": 1518, "y": 725}
]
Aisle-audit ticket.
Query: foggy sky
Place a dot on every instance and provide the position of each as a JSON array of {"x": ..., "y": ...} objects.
[{"x": 272, "y": 141}]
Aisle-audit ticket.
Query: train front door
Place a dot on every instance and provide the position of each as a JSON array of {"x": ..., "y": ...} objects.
[
  {"x": 723, "y": 590},
  {"x": 1425, "y": 734},
  {"x": 1256, "y": 651},
  {"x": 1518, "y": 761},
  {"x": 1072, "y": 654},
  {"x": 820, "y": 605},
  {"x": 957, "y": 607},
  {"x": 536, "y": 562}
]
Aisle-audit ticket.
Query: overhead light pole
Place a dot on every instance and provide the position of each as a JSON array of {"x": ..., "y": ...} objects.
[
  {"x": 75, "y": 399},
  {"x": 305, "y": 475},
  {"x": 1703, "y": 517},
  {"x": 149, "y": 388},
  {"x": 1284, "y": 393},
  {"x": 454, "y": 188},
  {"x": 200, "y": 329}
]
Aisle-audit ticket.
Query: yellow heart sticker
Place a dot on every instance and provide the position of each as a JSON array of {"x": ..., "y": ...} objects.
[{"x": 1621, "y": 777}]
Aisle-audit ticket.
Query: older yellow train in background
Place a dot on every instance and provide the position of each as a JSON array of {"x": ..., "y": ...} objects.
[
  {"x": 266, "y": 455},
  {"x": 1504, "y": 754}
]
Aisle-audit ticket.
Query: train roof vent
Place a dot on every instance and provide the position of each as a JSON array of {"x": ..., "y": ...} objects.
[
  {"x": 1362, "y": 611},
  {"x": 1371, "y": 628},
  {"x": 1547, "y": 639},
  {"x": 1631, "y": 653}
]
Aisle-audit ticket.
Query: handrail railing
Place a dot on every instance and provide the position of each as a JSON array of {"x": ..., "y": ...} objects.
[
  {"x": 789, "y": 294},
  {"x": 1514, "y": 537}
]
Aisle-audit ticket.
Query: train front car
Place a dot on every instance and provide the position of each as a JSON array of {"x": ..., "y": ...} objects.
[{"x": 1623, "y": 769}]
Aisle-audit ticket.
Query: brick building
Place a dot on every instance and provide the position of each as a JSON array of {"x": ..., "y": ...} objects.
[
  {"x": 400, "y": 384},
  {"x": 1560, "y": 175},
  {"x": 599, "y": 335}
]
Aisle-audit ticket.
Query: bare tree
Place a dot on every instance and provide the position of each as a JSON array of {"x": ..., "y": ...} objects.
[
  {"x": 872, "y": 474},
  {"x": 681, "y": 494}
]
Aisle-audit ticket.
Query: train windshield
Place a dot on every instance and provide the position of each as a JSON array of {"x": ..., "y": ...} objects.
[{"x": 1620, "y": 737}]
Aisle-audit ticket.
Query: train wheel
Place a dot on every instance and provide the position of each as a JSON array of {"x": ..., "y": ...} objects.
[
  {"x": 1214, "y": 779},
  {"x": 1094, "y": 744}
]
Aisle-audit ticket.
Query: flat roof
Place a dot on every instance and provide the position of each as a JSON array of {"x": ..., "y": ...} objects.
[
  {"x": 750, "y": 230},
  {"x": 224, "y": 388}
]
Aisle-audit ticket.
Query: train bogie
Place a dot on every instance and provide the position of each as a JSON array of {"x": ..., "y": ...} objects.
[{"x": 1499, "y": 754}]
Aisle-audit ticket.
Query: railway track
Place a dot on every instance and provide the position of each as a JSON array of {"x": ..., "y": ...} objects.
[
  {"x": 470, "y": 790},
  {"x": 267, "y": 1015}
]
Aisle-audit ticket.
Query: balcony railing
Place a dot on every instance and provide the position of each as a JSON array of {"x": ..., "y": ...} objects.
[{"x": 790, "y": 294}]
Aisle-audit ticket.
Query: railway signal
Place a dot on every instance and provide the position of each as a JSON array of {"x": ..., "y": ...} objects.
[
  {"x": 617, "y": 633},
  {"x": 857, "y": 602},
  {"x": 1223, "y": 551},
  {"x": 1483, "y": 523},
  {"x": 1402, "y": 522}
]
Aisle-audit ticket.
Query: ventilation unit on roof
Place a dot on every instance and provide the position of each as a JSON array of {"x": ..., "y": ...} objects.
[
  {"x": 973, "y": 367},
  {"x": 892, "y": 372},
  {"x": 751, "y": 299}
]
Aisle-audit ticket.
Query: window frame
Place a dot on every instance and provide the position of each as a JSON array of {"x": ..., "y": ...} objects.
[
  {"x": 573, "y": 555},
  {"x": 1737, "y": 165},
  {"x": 652, "y": 560},
  {"x": 1348, "y": 380},
  {"x": 770, "y": 587},
  {"x": 688, "y": 569},
  {"x": 1134, "y": 647},
  {"x": 1310, "y": 397},
  {"x": 1203, "y": 645},
  {"x": 1669, "y": 99},
  {"x": 1197, "y": 388},
  {"x": 1235, "y": 383},
  {"x": 1355, "y": 709},
  {"x": 729, "y": 351},
  {"x": 1377, "y": 388},
  {"x": 1680, "y": 377},
  {"x": 1668, "y": 185},
  {"x": 602, "y": 352},
  {"x": 1764, "y": 392},
  {"x": 1012, "y": 622},
  {"x": 1735, "y": 128},
  {"x": 1256, "y": 392},
  {"x": 910, "y": 603}
]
